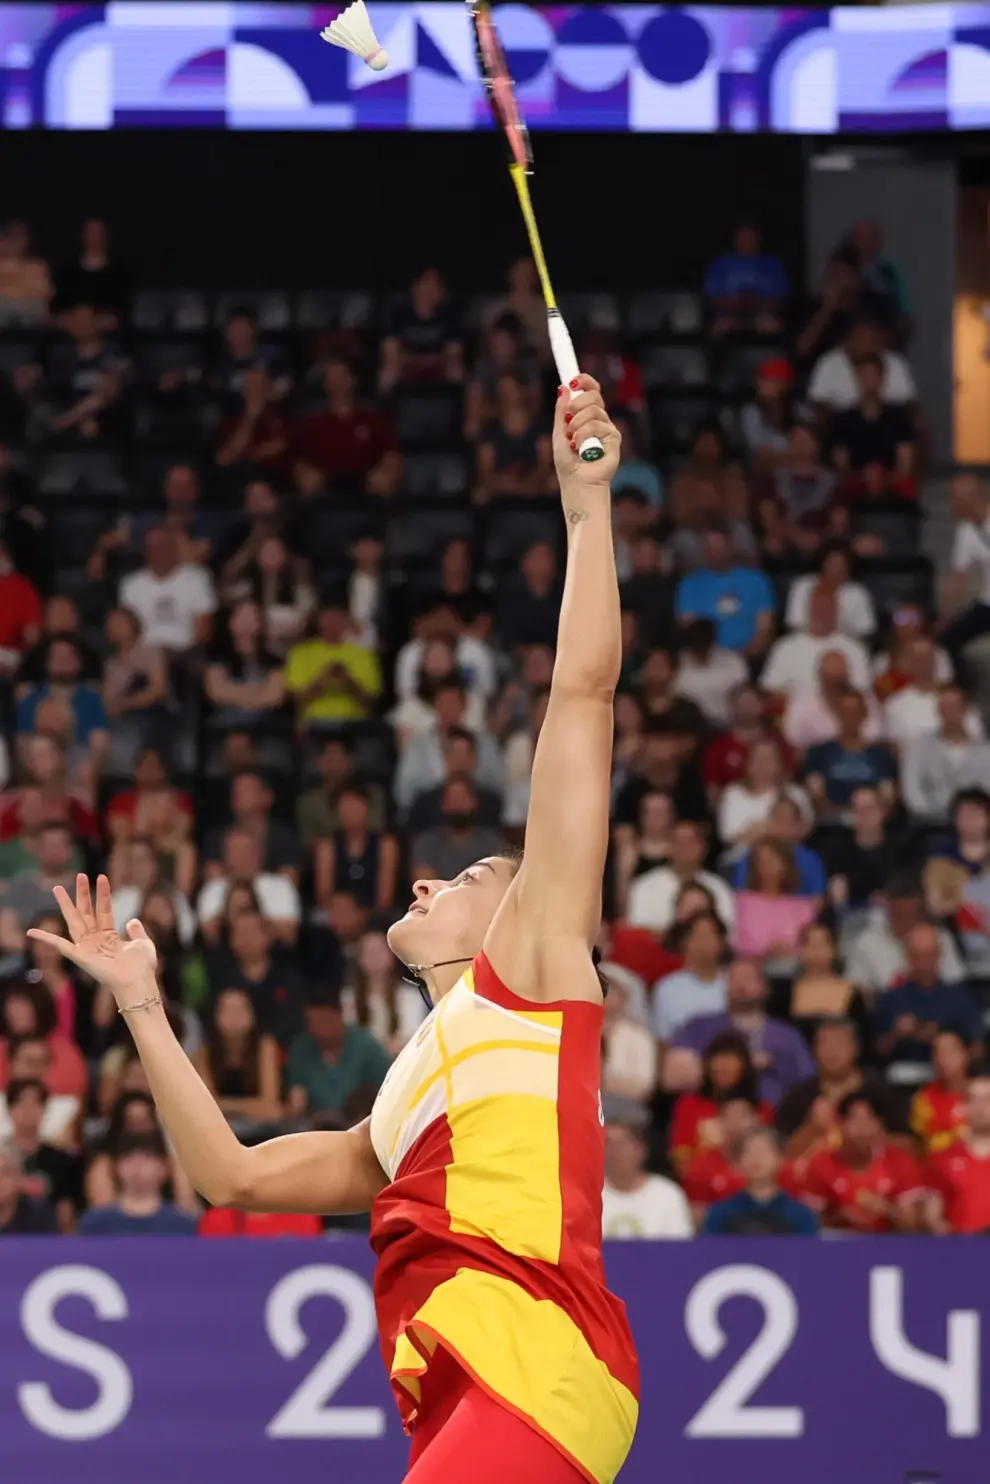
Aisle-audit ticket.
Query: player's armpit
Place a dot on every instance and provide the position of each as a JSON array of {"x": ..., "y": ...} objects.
[{"x": 324, "y": 1174}]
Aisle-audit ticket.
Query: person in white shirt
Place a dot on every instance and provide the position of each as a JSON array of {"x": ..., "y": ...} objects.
[
  {"x": 834, "y": 385},
  {"x": 813, "y": 716},
  {"x": 937, "y": 767},
  {"x": 744, "y": 809},
  {"x": 636, "y": 1205},
  {"x": 475, "y": 660},
  {"x": 277, "y": 897},
  {"x": 708, "y": 674},
  {"x": 653, "y": 896},
  {"x": 970, "y": 558},
  {"x": 174, "y": 600},
  {"x": 792, "y": 664},
  {"x": 629, "y": 1052},
  {"x": 855, "y": 614},
  {"x": 876, "y": 958},
  {"x": 914, "y": 711}
]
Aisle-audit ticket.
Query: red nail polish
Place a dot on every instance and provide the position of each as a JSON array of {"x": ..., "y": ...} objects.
[
  {"x": 575, "y": 385},
  {"x": 568, "y": 417},
  {"x": 561, "y": 390}
]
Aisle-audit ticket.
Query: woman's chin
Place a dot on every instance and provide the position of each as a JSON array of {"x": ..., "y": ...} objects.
[{"x": 401, "y": 938}]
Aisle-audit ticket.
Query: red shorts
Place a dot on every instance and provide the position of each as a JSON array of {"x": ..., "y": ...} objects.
[{"x": 466, "y": 1434}]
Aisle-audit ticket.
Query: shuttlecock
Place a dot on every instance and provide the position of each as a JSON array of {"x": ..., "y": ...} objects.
[{"x": 354, "y": 32}]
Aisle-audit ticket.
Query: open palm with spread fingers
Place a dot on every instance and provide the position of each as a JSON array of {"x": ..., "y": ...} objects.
[{"x": 125, "y": 965}]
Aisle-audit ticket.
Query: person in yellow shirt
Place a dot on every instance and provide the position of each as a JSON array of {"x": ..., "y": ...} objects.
[{"x": 329, "y": 676}]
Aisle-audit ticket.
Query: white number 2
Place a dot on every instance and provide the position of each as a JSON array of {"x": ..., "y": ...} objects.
[
  {"x": 306, "y": 1413},
  {"x": 725, "y": 1413}
]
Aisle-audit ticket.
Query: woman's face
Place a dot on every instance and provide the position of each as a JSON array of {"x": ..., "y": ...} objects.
[
  {"x": 768, "y": 869},
  {"x": 655, "y": 816},
  {"x": 449, "y": 919},
  {"x": 20, "y": 1018},
  {"x": 43, "y": 759},
  {"x": 971, "y": 820},
  {"x": 770, "y": 390},
  {"x": 139, "y": 1118},
  {"x": 438, "y": 660},
  {"x": 233, "y": 1015},
  {"x": 725, "y": 1070},
  {"x": 374, "y": 955},
  {"x": 818, "y": 951},
  {"x": 159, "y": 911},
  {"x": 703, "y": 942},
  {"x": 950, "y": 1057},
  {"x": 245, "y": 621}
]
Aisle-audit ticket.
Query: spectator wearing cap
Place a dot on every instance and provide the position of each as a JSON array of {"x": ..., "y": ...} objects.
[
  {"x": 877, "y": 956},
  {"x": 20, "y": 1214},
  {"x": 873, "y": 443},
  {"x": 275, "y": 892},
  {"x": 855, "y": 614},
  {"x": 141, "y": 1172},
  {"x": 762, "y": 1209},
  {"x": 47, "y": 1173},
  {"x": 330, "y": 1061},
  {"x": 635, "y": 1204},
  {"x": 345, "y": 447},
  {"x": 961, "y": 622},
  {"x": 329, "y": 676},
  {"x": 707, "y": 674},
  {"x": 915, "y": 711},
  {"x": 938, "y": 766},
  {"x": 174, "y": 600},
  {"x": 863, "y": 1182},
  {"x": 834, "y": 386},
  {"x": 958, "y": 1178},
  {"x": 738, "y": 600},
  {"x": 765, "y": 423},
  {"x": 911, "y": 1014},
  {"x": 746, "y": 288}
]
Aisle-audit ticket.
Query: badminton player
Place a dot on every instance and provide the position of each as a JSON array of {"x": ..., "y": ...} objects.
[{"x": 482, "y": 1162}]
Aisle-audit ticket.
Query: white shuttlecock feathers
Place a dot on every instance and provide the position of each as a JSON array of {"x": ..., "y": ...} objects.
[{"x": 354, "y": 32}]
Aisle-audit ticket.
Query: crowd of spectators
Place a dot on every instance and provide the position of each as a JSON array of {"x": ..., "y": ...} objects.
[{"x": 279, "y": 580}]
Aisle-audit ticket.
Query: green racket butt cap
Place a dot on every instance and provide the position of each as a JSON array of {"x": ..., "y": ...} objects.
[{"x": 593, "y": 454}]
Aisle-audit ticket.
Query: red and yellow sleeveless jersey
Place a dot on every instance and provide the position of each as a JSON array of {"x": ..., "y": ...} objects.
[
  {"x": 937, "y": 1116},
  {"x": 488, "y": 1235}
]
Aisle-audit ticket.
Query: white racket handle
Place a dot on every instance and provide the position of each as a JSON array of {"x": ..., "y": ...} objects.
[{"x": 568, "y": 369}]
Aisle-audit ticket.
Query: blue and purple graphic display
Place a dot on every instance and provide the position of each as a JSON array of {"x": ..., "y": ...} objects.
[{"x": 638, "y": 68}]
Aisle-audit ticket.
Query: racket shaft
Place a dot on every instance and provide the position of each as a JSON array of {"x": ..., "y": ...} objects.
[
  {"x": 568, "y": 370},
  {"x": 536, "y": 246}
]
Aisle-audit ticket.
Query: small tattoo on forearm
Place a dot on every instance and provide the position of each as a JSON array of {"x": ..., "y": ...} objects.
[{"x": 575, "y": 517}]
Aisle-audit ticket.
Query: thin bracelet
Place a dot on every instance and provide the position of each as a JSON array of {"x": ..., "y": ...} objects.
[{"x": 155, "y": 999}]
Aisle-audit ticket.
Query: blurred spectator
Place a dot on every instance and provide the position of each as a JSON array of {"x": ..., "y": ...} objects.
[
  {"x": 892, "y": 664},
  {"x": 84, "y": 382},
  {"x": 726, "y": 756},
  {"x": 959, "y": 1176},
  {"x": 275, "y": 581},
  {"x": 881, "y": 280},
  {"x": 936, "y": 767},
  {"x": 514, "y": 455},
  {"x": 699, "y": 987},
  {"x": 63, "y": 665},
  {"x": 762, "y": 1209},
  {"x": 938, "y": 1110},
  {"x": 44, "y": 799},
  {"x": 140, "y": 1168},
  {"x": 878, "y": 954},
  {"x": 634, "y": 1203},
  {"x": 71, "y": 995},
  {"x": 661, "y": 701},
  {"x": 239, "y": 1062},
  {"x": 356, "y": 858},
  {"x": 745, "y": 807},
  {"x": 423, "y": 339},
  {"x": 601, "y": 355},
  {"x": 969, "y": 845},
  {"x": 244, "y": 680},
  {"x": 864, "y": 1183},
  {"x": 873, "y": 443},
  {"x": 20, "y": 613},
  {"x": 29, "y": 894},
  {"x": 517, "y": 757},
  {"x": 242, "y": 863},
  {"x": 707, "y": 674},
  {"x": 265, "y": 970},
  {"x": 331, "y": 1062},
  {"x": 529, "y": 603},
  {"x": 960, "y": 624},
  {"x": 855, "y": 615},
  {"x": 135, "y": 689},
  {"x": 379, "y": 998},
  {"x": 61, "y": 620},
  {"x": 163, "y": 862},
  {"x": 911, "y": 1014},
  {"x": 684, "y": 548},
  {"x": 424, "y": 765},
  {"x": 835, "y": 770},
  {"x": 195, "y": 531},
  {"x": 94, "y": 276},
  {"x": 47, "y": 1173},
  {"x": 797, "y": 504},
  {"x": 834, "y": 386},
  {"x": 914, "y": 711},
  {"x": 346, "y": 447},
  {"x": 723, "y": 1075},
  {"x": 792, "y": 664},
  {"x": 770, "y": 913},
  {"x": 808, "y": 1117},
  {"x": 474, "y": 658},
  {"x": 459, "y": 756},
  {"x": 641, "y": 846},
  {"x": 712, "y": 1173},
  {"x": 820, "y": 994},
  {"x": 746, "y": 288},
  {"x": 258, "y": 434},
  {"x": 330, "y": 677},
  {"x": 713, "y": 479},
  {"x": 443, "y": 853},
  {"x": 787, "y": 825},
  {"x": 25, "y": 281},
  {"x": 738, "y": 600},
  {"x": 636, "y": 475},
  {"x": 45, "y": 1056},
  {"x": 504, "y": 353},
  {"x": 251, "y": 805},
  {"x": 766, "y": 422},
  {"x": 461, "y": 588},
  {"x": 173, "y": 600},
  {"x": 316, "y": 809},
  {"x": 778, "y": 1050},
  {"x": 629, "y": 1054},
  {"x": 652, "y": 896},
  {"x": 365, "y": 588},
  {"x": 243, "y": 352},
  {"x": 20, "y": 1214},
  {"x": 525, "y": 302},
  {"x": 130, "y": 813},
  {"x": 814, "y": 716}
]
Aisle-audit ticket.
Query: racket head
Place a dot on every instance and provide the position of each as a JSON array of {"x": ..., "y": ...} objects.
[{"x": 499, "y": 86}]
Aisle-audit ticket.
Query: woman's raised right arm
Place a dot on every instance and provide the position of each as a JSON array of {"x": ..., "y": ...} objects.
[{"x": 323, "y": 1173}]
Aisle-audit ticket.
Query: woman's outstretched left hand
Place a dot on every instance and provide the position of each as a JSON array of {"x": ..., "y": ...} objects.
[{"x": 125, "y": 965}]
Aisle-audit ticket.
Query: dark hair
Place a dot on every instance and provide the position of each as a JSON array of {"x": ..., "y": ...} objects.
[
  {"x": 449, "y": 682},
  {"x": 876, "y": 1105},
  {"x": 977, "y": 796},
  {"x": 16, "y": 1043},
  {"x": 152, "y": 1144},
  {"x": 789, "y": 884},
  {"x": 322, "y": 997},
  {"x": 728, "y": 1043},
  {"x": 117, "y": 1125},
  {"x": 20, "y": 1086},
  {"x": 217, "y": 1051},
  {"x": 698, "y": 635},
  {"x": 660, "y": 726},
  {"x": 463, "y": 734},
  {"x": 354, "y": 786},
  {"x": 45, "y": 1013},
  {"x": 241, "y": 311},
  {"x": 681, "y": 931},
  {"x": 871, "y": 360},
  {"x": 362, "y": 1002},
  {"x": 834, "y": 547},
  {"x": 901, "y": 887}
]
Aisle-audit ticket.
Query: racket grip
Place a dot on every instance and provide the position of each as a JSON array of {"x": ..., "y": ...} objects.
[{"x": 567, "y": 369}]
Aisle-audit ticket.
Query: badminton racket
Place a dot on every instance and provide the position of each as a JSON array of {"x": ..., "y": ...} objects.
[{"x": 502, "y": 97}]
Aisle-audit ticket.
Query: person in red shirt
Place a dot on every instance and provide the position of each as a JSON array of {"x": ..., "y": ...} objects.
[
  {"x": 20, "y": 613},
  {"x": 959, "y": 1177},
  {"x": 724, "y": 760},
  {"x": 127, "y": 812},
  {"x": 728, "y": 1076},
  {"x": 45, "y": 798},
  {"x": 865, "y": 1183},
  {"x": 713, "y": 1173},
  {"x": 938, "y": 1110},
  {"x": 346, "y": 447}
]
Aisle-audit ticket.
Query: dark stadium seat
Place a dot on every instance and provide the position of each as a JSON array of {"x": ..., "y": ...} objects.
[
  {"x": 427, "y": 417},
  {"x": 896, "y": 522},
  {"x": 444, "y": 474},
  {"x": 415, "y": 536},
  {"x": 511, "y": 529},
  {"x": 899, "y": 580},
  {"x": 170, "y": 309}
]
